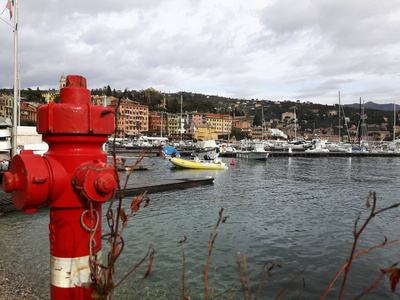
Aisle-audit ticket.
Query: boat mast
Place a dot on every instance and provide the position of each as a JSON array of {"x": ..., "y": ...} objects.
[
  {"x": 360, "y": 124},
  {"x": 394, "y": 121},
  {"x": 16, "y": 84},
  {"x": 161, "y": 123},
  {"x": 339, "y": 118},
  {"x": 262, "y": 123},
  {"x": 180, "y": 122},
  {"x": 295, "y": 125}
]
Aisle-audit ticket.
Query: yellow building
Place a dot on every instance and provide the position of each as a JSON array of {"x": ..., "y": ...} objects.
[
  {"x": 49, "y": 96},
  {"x": 173, "y": 124},
  {"x": 203, "y": 132},
  {"x": 6, "y": 105},
  {"x": 222, "y": 124}
]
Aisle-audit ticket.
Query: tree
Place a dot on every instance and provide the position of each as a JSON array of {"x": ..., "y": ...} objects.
[
  {"x": 56, "y": 98},
  {"x": 28, "y": 123},
  {"x": 238, "y": 133},
  {"x": 174, "y": 105},
  {"x": 108, "y": 92},
  {"x": 257, "y": 120}
]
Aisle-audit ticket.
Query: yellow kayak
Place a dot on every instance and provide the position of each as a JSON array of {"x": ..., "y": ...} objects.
[{"x": 198, "y": 164}]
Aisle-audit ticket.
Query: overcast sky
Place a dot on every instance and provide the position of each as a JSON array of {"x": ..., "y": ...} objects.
[{"x": 305, "y": 50}]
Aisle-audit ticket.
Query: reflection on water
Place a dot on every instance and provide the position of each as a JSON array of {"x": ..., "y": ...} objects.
[{"x": 298, "y": 212}]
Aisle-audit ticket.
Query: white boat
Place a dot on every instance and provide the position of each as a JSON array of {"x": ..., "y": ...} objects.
[
  {"x": 207, "y": 153},
  {"x": 257, "y": 152},
  {"x": 317, "y": 150},
  {"x": 339, "y": 147},
  {"x": 227, "y": 148},
  {"x": 319, "y": 146},
  {"x": 39, "y": 148},
  {"x": 5, "y": 144},
  {"x": 147, "y": 141},
  {"x": 206, "y": 145}
]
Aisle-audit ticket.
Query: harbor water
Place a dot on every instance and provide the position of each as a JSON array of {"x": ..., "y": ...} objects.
[{"x": 296, "y": 212}]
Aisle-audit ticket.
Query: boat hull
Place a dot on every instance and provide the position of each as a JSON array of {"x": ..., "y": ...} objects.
[
  {"x": 257, "y": 155},
  {"x": 191, "y": 164}
]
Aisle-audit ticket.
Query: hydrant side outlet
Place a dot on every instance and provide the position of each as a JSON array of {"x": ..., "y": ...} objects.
[{"x": 28, "y": 181}]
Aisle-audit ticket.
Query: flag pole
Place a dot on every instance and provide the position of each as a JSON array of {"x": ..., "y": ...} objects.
[{"x": 16, "y": 84}]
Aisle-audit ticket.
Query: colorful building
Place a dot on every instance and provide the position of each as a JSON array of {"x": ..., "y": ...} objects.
[
  {"x": 28, "y": 112},
  {"x": 203, "y": 132},
  {"x": 173, "y": 124},
  {"x": 158, "y": 123},
  {"x": 132, "y": 117},
  {"x": 222, "y": 124}
]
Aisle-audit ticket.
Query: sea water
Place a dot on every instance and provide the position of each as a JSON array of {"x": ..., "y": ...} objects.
[{"x": 296, "y": 213}]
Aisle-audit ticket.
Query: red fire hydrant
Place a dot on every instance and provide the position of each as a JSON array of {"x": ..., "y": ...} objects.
[{"x": 73, "y": 178}]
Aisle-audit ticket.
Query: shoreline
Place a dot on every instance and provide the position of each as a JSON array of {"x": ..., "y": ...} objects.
[{"x": 16, "y": 287}]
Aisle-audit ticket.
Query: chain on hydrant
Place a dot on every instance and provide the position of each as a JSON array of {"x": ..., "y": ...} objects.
[{"x": 73, "y": 179}]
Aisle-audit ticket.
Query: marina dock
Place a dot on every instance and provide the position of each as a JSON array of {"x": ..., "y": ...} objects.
[
  {"x": 332, "y": 154},
  {"x": 273, "y": 153},
  {"x": 6, "y": 204}
]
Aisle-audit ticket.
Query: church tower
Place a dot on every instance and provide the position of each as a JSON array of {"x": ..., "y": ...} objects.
[{"x": 63, "y": 82}]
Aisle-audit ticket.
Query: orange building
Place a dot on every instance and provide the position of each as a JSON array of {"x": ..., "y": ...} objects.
[
  {"x": 132, "y": 117},
  {"x": 158, "y": 123},
  {"x": 241, "y": 122},
  {"x": 28, "y": 111}
]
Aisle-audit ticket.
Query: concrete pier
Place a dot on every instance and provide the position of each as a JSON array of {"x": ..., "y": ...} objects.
[{"x": 6, "y": 204}]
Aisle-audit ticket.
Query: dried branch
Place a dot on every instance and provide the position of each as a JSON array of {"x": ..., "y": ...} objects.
[
  {"x": 213, "y": 236},
  {"x": 117, "y": 220},
  {"x": 183, "y": 268},
  {"x": 290, "y": 283},
  {"x": 267, "y": 268},
  {"x": 243, "y": 275},
  {"x": 357, "y": 233},
  {"x": 373, "y": 286},
  {"x": 150, "y": 254},
  {"x": 355, "y": 255}
]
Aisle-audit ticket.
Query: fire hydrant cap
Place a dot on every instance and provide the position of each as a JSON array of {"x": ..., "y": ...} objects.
[
  {"x": 8, "y": 182},
  {"x": 28, "y": 181},
  {"x": 105, "y": 183},
  {"x": 96, "y": 180}
]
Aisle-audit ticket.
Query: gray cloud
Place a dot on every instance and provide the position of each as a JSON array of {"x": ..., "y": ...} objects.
[{"x": 286, "y": 49}]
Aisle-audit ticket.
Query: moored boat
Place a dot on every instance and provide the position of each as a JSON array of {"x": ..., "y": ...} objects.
[
  {"x": 169, "y": 151},
  {"x": 257, "y": 152},
  {"x": 197, "y": 163}
]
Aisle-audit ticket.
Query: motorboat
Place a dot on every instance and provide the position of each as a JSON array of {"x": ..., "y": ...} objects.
[
  {"x": 169, "y": 152},
  {"x": 197, "y": 163},
  {"x": 317, "y": 150},
  {"x": 319, "y": 146},
  {"x": 257, "y": 152}
]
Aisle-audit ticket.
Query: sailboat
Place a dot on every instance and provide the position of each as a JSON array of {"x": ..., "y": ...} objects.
[
  {"x": 395, "y": 144},
  {"x": 362, "y": 142},
  {"x": 339, "y": 146}
]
